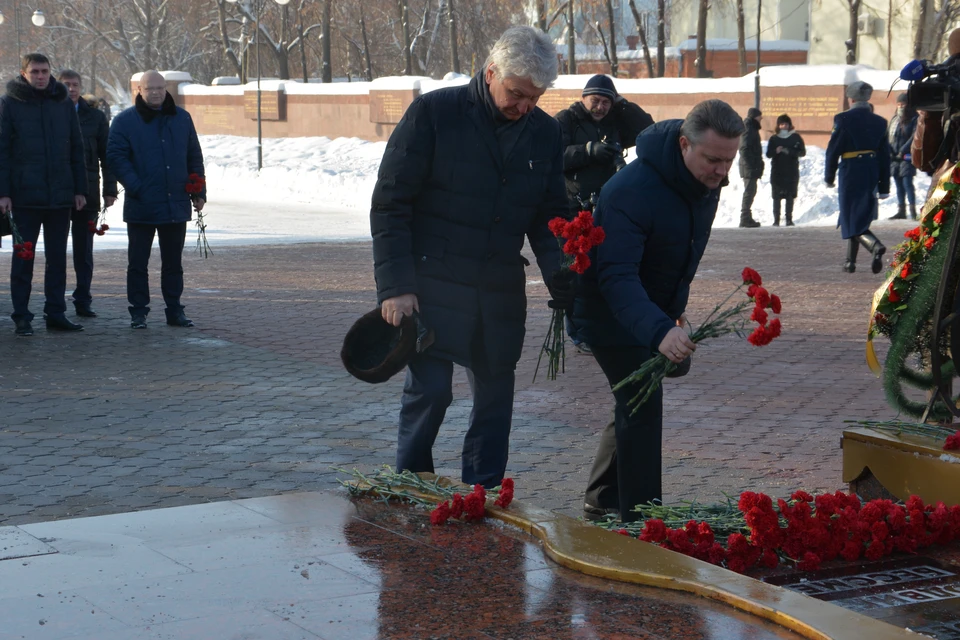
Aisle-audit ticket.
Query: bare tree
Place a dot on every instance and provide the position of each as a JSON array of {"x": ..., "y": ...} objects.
[
  {"x": 741, "y": 40},
  {"x": 452, "y": 22},
  {"x": 405, "y": 37},
  {"x": 702, "y": 38},
  {"x": 571, "y": 40},
  {"x": 661, "y": 37},
  {"x": 614, "y": 63},
  {"x": 853, "y": 31},
  {"x": 326, "y": 67},
  {"x": 642, "y": 32},
  {"x": 921, "y": 26}
]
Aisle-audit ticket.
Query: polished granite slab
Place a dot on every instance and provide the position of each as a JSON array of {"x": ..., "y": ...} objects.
[{"x": 317, "y": 565}]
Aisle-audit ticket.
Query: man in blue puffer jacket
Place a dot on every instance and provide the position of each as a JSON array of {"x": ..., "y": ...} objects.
[
  {"x": 42, "y": 179},
  {"x": 153, "y": 149},
  {"x": 657, "y": 214}
]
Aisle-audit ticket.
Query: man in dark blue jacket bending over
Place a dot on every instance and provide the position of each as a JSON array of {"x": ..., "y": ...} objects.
[
  {"x": 657, "y": 214},
  {"x": 153, "y": 148}
]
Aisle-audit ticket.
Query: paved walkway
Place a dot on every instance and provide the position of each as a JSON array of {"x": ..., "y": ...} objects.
[{"x": 254, "y": 402}]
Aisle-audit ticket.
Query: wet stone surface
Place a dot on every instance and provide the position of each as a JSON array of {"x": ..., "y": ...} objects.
[{"x": 307, "y": 566}]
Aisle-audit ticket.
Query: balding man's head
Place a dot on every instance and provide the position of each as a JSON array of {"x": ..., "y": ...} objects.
[{"x": 152, "y": 88}]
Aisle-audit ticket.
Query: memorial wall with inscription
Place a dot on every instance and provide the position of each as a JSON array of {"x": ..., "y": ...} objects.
[{"x": 373, "y": 114}]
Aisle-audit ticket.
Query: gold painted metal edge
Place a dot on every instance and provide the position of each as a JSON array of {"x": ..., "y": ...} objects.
[{"x": 902, "y": 469}]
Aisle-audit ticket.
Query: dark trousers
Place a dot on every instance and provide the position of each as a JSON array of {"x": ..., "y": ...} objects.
[
  {"x": 82, "y": 254},
  {"x": 776, "y": 209},
  {"x": 56, "y": 228},
  {"x": 139, "y": 245},
  {"x": 905, "y": 190},
  {"x": 749, "y": 193},
  {"x": 627, "y": 470},
  {"x": 427, "y": 393}
]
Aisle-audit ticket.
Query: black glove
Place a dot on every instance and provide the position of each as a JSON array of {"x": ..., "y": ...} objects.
[
  {"x": 602, "y": 152},
  {"x": 563, "y": 289}
]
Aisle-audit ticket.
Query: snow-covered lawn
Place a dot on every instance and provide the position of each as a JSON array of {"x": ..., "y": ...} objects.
[{"x": 316, "y": 189}]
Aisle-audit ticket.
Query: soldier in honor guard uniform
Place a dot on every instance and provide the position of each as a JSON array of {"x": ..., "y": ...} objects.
[{"x": 859, "y": 146}]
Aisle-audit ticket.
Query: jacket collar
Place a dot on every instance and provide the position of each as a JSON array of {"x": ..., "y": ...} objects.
[
  {"x": 168, "y": 108},
  {"x": 19, "y": 89},
  {"x": 659, "y": 148}
]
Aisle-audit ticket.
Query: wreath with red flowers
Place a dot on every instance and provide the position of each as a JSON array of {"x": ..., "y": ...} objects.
[{"x": 903, "y": 307}]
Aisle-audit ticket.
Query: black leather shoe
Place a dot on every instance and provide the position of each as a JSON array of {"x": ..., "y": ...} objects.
[
  {"x": 60, "y": 323},
  {"x": 138, "y": 322},
  {"x": 748, "y": 223},
  {"x": 84, "y": 311},
  {"x": 594, "y": 513},
  {"x": 24, "y": 328},
  {"x": 178, "y": 319}
]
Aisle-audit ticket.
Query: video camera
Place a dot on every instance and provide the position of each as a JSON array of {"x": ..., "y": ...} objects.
[{"x": 933, "y": 87}]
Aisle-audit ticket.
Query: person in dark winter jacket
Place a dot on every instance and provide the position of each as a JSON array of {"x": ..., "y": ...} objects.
[
  {"x": 42, "y": 179},
  {"x": 751, "y": 165},
  {"x": 900, "y": 134},
  {"x": 859, "y": 146},
  {"x": 153, "y": 149},
  {"x": 94, "y": 127},
  {"x": 657, "y": 214},
  {"x": 785, "y": 150},
  {"x": 596, "y": 129},
  {"x": 467, "y": 174}
]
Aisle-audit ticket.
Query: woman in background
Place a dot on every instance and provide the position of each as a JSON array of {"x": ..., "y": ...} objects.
[{"x": 785, "y": 150}]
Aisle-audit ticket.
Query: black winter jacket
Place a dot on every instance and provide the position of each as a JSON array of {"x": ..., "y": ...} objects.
[
  {"x": 95, "y": 129},
  {"x": 657, "y": 219},
  {"x": 586, "y": 175},
  {"x": 785, "y": 165},
  {"x": 449, "y": 216},
  {"x": 751, "y": 150},
  {"x": 41, "y": 147},
  {"x": 900, "y": 133}
]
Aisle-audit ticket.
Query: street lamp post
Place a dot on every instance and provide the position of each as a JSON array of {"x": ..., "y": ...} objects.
[
  {"x": 257, "y": 9},
  {"x": 38, "y": 19},
  {"x": 756, "y": 78}
]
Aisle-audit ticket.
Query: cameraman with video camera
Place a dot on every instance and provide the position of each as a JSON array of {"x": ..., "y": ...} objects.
[
  {"x": 596, "y": 129},
  {"x": 936, "y": 141}
]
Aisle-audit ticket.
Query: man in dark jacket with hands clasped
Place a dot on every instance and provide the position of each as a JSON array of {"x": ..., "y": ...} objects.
[
  {"x": 42, "y": 180},
  {"x": 657, "y": 215},
  {"x": 467, "y": 174}
]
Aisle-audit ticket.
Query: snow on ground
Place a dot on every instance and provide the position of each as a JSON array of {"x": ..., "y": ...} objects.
[{"x": 317, "y": 189}]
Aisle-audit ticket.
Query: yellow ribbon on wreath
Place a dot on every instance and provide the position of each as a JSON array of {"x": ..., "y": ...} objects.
[{"x": 933, "y": 204}]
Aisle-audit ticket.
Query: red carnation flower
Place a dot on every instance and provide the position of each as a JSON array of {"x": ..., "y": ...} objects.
[
  {"x": 775, "y": 303},
  {"x": 751, "y": 277},
  {"x": 759, "y": 315},
  {"x": 913, "y": 234},
  {"x": 653, "y": 531},
  {"x": 938, "y": 219},
  {"x": 809, "y": 562},
  {"x": 952, "y": 442},
  {"x": 928, "y": 244},
  {"x": 905, "y": 271},
  {"x": 440, "y": 514},
  {"x": 557, "y": 226},
  {"x": 762, "y": 297},
  {"x": 456, "y": 509},
  {"x": 474, "y": 507}
]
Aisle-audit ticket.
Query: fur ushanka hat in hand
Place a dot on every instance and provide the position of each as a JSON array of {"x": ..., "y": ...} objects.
[{"x": 374, "y": 350}]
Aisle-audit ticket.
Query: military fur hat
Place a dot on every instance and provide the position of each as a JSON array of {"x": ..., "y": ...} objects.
[
  {"x": 374, "y": 350},
  {"x": 859, "y": 91}
]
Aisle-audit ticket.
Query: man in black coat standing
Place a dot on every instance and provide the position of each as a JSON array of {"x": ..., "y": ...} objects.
[
  {"x": 596, "y": 129},
  {"x": 42, "y": 180},
  {"x": 751, "y": 165},
  {"x": 657, "y": 214},
  {"x": 95, "y": 129},
  {"x": 467, "y": 174}
]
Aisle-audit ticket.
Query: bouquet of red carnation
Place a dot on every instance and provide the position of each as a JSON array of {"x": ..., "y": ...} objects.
[
  {"x": 576, "y": 237},
  {"x": 23, "y": 250},
  {"x": 103, "y": 227},
  {"x": 720, "y": 322},
  {"x": 195, "y": 186}
]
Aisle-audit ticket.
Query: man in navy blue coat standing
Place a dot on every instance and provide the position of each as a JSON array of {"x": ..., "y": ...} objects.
[
  {"x": 859, "y": 146},
  {"x": 153, "y": 149},
  {"x": 42, "y": 179},
  {"x": 468, "y": 173},
  {"x": 657, "y": 213}
]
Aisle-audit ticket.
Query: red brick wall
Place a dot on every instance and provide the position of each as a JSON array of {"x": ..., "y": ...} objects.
[{"x": 721, "y": 64}]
